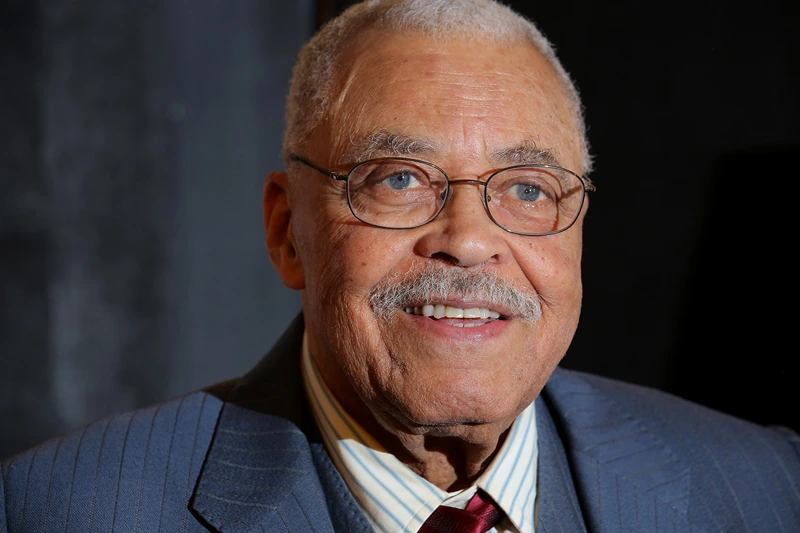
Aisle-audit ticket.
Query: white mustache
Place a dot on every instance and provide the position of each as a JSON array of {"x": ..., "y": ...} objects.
[{"x": 431, "y": 284}]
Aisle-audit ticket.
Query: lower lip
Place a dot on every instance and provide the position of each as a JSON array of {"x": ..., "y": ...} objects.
[{"x": 442, "y": 328}]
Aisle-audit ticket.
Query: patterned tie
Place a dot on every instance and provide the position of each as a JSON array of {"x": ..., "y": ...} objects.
[{"x": 480, "y": 515}]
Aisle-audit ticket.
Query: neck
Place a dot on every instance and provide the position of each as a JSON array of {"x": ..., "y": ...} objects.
[
  {"x": 448, "y": 462},
  {"x": 451, "y": 457}
]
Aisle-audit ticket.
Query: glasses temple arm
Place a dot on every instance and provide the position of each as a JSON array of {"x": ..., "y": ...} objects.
[{"x": 332, "y": 175}]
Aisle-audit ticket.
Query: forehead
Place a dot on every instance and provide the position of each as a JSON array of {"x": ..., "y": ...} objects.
[{"x": 452, "y": 98}]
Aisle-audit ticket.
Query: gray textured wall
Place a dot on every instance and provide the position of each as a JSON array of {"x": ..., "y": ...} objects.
[{"x": 132, "y": 263}]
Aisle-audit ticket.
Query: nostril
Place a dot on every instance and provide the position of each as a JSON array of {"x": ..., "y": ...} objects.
[{"x": 447, "y": 258}]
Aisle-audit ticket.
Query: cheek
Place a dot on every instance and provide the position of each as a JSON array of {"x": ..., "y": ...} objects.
[
  {"x": 352, "y": 259},
  {"x": 320, "y": 224},
  {"x": 553, "y": 267},
  {"x": 343, "y": 259},
  {"x": 348, "y": 260}
]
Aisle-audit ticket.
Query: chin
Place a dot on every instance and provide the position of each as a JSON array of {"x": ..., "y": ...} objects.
[{"x": 449, "y": 406}]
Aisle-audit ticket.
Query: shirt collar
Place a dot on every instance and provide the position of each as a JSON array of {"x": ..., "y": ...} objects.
[{"x": 393, "y": 497}]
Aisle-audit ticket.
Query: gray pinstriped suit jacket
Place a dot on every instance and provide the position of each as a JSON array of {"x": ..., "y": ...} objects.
[{"x": 613, "y": 458}]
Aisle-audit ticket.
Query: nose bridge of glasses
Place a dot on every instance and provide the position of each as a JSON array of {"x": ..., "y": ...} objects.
[{"x": 466, "y": 181}]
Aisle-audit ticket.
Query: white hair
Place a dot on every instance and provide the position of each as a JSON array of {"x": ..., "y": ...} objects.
[{"x": 314, "y": 73}]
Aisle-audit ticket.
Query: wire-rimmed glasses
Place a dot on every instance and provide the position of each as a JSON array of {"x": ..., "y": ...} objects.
[{"x": 405, "y": 193}]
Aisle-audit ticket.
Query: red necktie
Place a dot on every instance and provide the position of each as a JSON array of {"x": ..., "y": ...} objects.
[{"x": 480, "y": 515}]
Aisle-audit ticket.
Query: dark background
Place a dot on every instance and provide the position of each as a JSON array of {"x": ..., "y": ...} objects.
[{"x": 136, "y": 136}]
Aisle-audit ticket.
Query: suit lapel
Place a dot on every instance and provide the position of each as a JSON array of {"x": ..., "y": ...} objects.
[
  {"x": 259, "y": 476},
  {"x": 626, "y": 477},
  {"x": 558, "y": 509},
  {"x": 260, "y": 473},
  {"x": 345, "y": 513}
]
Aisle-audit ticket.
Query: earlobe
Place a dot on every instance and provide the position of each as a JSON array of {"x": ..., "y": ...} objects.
[{"x": 278, "y": 226}]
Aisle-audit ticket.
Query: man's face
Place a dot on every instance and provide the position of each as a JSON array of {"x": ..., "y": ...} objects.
[{"x": 474, "y": 107}]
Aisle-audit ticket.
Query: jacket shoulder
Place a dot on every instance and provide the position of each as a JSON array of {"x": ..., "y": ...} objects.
[
  {"x": 675, "y": 417},
  {"x": 653, "y": 403},
  {"x": 116, "y": 471},
  {"x": 735, "y": 471}
]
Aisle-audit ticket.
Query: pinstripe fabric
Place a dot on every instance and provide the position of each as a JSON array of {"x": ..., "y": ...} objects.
[
  {"x": 260, "y": 476},
  {"x": 646, "y": 461},
  {"x": 558, "y": 509},
  {"x": 612, "y": 458},
  {"x": 394, "y": 498},
  {"x": 345, "y": 513},
  {"x": 263, "y": 471},
  {"x": 134, "y": 472},
  {"x": 3, "y": 521}
]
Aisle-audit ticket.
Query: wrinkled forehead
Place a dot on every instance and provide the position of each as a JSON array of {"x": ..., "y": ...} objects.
[{"x": 424, "y": 90}]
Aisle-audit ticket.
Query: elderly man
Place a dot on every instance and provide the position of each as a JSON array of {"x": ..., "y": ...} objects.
[{"x": 431, "y": 215}]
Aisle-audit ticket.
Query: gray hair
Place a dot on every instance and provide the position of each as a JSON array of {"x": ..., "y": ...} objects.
[{"x": 314, "y": 73}]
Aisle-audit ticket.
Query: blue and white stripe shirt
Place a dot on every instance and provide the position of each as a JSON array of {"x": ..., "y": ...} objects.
[{"x": 396, "y": 499}]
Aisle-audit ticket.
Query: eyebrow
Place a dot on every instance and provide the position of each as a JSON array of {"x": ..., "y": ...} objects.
[
  {"x": 385, "y": 143},
  {"x": 525, "y": 153}
]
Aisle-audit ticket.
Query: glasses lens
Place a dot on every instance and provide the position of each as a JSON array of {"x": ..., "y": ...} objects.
[
  {"x": 396, "y": 193},
  {"x": 535, "y": 200}
]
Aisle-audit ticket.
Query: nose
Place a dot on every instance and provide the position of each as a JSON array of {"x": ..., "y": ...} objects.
[{"x": 463, "y": 234}]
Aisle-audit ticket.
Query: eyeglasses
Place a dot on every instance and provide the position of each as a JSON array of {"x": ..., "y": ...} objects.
[{"x": 403, "y": 193}]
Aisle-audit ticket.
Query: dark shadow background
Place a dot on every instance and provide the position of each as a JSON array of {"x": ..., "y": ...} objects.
[{"x": 137, "y": 136}]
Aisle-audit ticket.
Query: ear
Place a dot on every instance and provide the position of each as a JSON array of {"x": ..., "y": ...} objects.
[{"x": 278, "y": 226}]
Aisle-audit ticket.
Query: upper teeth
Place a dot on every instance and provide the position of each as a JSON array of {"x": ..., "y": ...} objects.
[{"x": 447, "y": 311}]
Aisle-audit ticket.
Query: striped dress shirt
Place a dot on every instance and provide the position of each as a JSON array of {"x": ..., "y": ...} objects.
[{"x": 396, "y": 499}]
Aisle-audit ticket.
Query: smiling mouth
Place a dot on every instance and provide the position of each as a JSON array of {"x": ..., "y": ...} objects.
[{"x": 475, "y": 316}]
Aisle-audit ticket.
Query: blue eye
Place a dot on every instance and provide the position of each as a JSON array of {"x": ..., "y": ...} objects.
[
  {"x": 401, "y": 181},
  {"x": 527, "y": 192}
]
